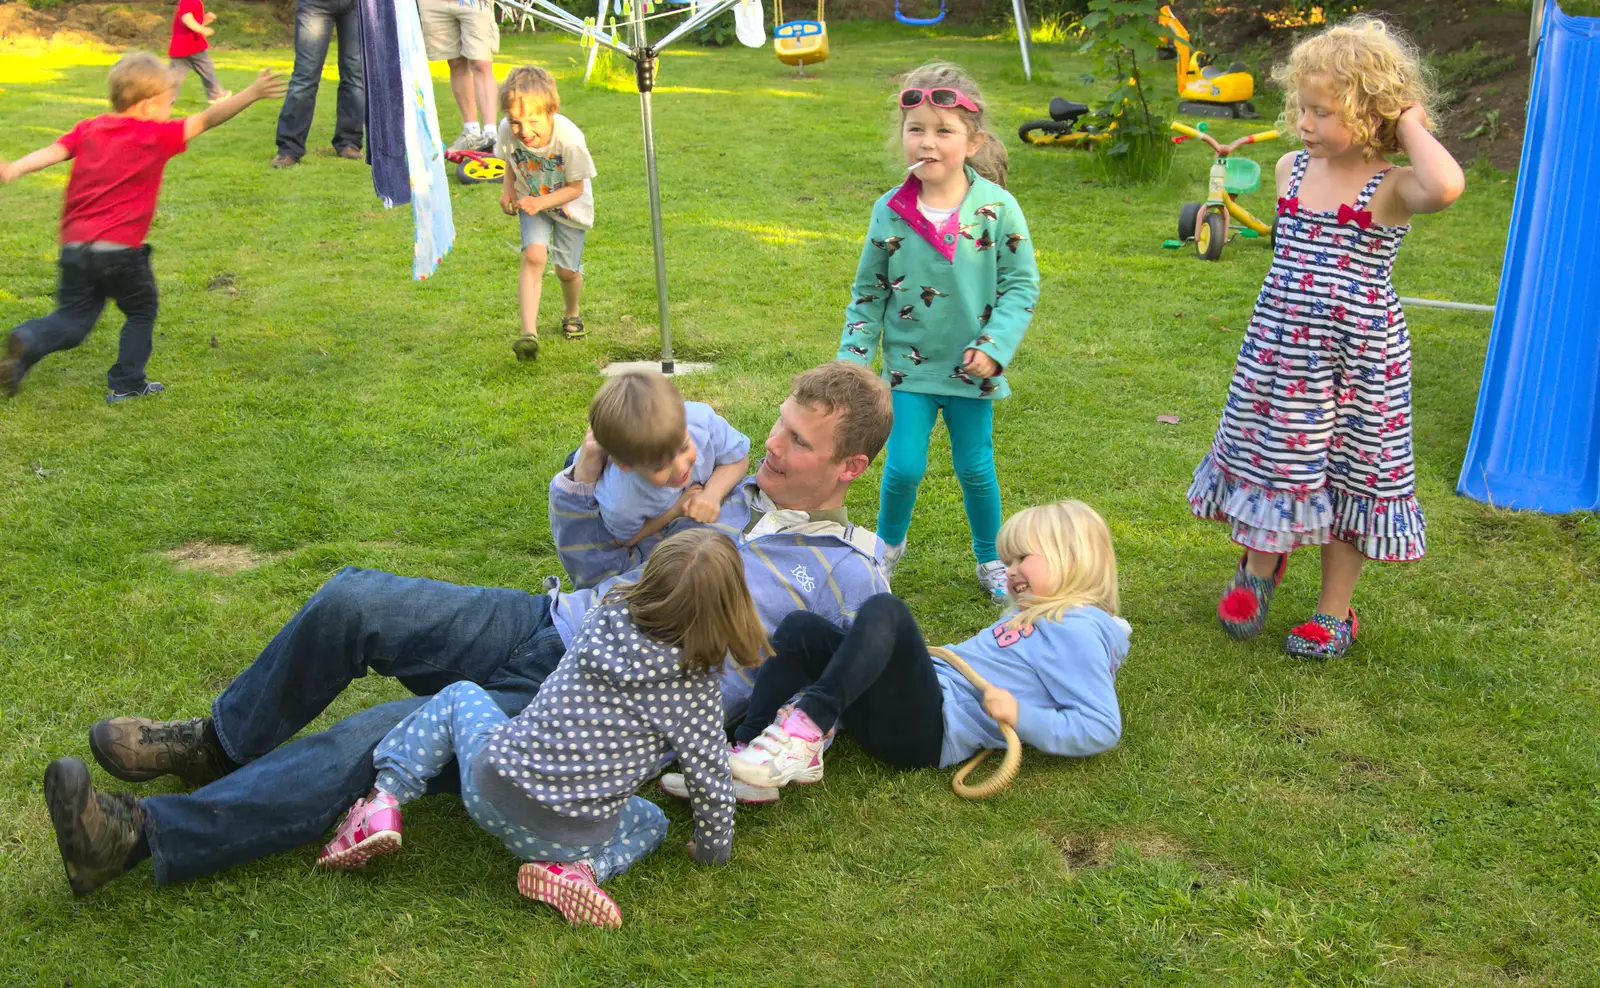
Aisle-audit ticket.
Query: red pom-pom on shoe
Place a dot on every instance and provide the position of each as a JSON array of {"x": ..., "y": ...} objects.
[
  {"x": 1313, "y": 632},
  {"x": 1239, "y": 604}
]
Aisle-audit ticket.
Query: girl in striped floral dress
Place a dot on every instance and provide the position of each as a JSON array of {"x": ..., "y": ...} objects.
[{"x": 1314, "y": 447}]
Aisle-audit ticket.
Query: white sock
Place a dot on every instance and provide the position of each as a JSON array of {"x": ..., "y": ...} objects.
[
  {"x": 490, "y": 127},
  {"x": 471, "y": 126}
]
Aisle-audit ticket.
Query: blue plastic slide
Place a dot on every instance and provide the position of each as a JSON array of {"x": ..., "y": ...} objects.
[{"x": 1536, "y": 438}]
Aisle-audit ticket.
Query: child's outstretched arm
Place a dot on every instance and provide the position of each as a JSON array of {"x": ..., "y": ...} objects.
[
  {"x": 869, "y": 299},
  {"x": 268, "y": 85},
  {"x": 1082, "y": 716},
  {"x": 1434, "y": 180},
  {"x": 32, "y": 162},
  {"x": 705, "y": 506}
]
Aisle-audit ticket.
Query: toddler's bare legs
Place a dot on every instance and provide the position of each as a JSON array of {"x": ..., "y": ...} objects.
[
  {"x": 529, "y": 281},
  {"x": 571, "y": 291},
  {"x": 1341, "y": 568}
]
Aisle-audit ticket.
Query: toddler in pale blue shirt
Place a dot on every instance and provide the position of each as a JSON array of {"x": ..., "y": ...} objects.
[{"x": 666, "y": 458}]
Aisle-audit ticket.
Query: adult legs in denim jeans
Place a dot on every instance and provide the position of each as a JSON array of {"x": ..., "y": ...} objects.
[
  {"x": 315, "y": 22},
  {"x": 453, "y": 724},
  {"x": 351, "y": 108},
  {"x": 427, "y": 634}
]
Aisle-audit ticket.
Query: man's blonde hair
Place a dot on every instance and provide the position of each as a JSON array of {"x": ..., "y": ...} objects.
[
  {"x": 1373, "y": 73},
  {"x": 866, "y": 411},
  {"x": 637, "y": 417},
  {"x": 1076, "y": 542},
  {"x": 692, "y": 594},
  {"x": 136, "y": 77},
  {"x": 529, "y": 82}
]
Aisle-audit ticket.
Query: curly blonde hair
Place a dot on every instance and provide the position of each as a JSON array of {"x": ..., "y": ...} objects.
[{"x": 1373, "y": 73}]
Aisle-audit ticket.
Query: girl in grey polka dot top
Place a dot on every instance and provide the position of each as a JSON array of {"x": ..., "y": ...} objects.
[{"x": 556, "y": 783}]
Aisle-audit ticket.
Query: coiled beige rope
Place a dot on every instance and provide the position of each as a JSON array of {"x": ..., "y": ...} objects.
[{"x": 1001, "y": 779}]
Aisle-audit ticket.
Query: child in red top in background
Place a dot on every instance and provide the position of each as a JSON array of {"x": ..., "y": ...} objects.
[
  {"x": 190, "y": 29},
  {"x": 118, "y": 159}
]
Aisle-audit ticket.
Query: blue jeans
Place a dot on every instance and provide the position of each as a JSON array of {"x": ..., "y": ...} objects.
[
  {"x": 452, "y": 727},
  {"x": 424, "y": 633},
  {"x": 971, "y": 425},
  {"x": 88, "y": 279},
  {"x": 315, "y": 21}
]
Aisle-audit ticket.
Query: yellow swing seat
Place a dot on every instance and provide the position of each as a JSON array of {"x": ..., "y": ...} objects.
[{"x": 800, "y": 42}]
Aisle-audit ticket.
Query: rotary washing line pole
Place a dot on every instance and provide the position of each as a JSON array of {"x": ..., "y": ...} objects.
[{"x": 643, "y": 54}]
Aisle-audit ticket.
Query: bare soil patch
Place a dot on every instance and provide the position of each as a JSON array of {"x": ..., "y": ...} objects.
[
  {"x": 1096, "y": 850},
  {"x": 210, "y": 557}
]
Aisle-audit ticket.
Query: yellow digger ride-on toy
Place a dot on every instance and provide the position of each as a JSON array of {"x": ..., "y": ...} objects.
[{"x": 1204, "y": 89}]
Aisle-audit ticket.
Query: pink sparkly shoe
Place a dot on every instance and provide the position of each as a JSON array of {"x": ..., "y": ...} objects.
[
  {"x": 571, "y": 888},
  {"x": 369, "y": 829}
]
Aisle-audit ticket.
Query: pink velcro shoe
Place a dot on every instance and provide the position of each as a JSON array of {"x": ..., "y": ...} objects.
[
  {"x": 370, "y": 828},
  {"x": 571, "y": 888}
]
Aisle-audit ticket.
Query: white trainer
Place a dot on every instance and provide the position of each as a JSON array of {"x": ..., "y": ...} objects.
[
  {"x": 466, "y": 141},
  {"x": 673, "y": 785},
  {"x": 891, "y": 559},
  {"x": 992, "y": 575},
  {"x": 784, "y": 753}
]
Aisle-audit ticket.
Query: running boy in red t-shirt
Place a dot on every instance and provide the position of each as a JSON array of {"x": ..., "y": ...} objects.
[
  {"x": 191, "y": 26},
  {"x": 118, "y": 158}
]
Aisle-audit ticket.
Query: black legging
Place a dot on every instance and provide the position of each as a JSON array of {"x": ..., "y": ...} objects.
[{"x": 876, "y": 681}]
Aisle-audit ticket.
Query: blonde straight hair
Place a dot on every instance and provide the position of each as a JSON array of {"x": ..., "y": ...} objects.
[
  {"x": 1076, "y": 542},
  {"x": 692, "y": 594}
]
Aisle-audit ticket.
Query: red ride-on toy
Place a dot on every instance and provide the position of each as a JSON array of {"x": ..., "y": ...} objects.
[{"x": 476, "y": 167}]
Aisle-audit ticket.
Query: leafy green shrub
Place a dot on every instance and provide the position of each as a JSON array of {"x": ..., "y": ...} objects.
[{"x": 1123, "y": 36}]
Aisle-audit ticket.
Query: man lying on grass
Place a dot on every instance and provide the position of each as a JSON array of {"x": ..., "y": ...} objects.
[{"x": 261, "y": 793}]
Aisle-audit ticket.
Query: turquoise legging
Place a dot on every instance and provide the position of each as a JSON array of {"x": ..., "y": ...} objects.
[{"x": 971, "y": 425}]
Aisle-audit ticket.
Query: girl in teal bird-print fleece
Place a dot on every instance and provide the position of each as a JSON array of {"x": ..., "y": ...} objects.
[{"x": 946, "y": 287}]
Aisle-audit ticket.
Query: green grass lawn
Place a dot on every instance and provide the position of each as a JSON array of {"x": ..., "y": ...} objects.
[{"x": 1421, "y": 813}]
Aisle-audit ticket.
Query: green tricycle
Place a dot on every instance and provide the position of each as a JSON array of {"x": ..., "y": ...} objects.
[{"x": 1206, "y": 223}]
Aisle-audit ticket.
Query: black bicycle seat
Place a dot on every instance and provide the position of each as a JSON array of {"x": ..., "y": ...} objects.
[{"x": 1065, "y": 109}]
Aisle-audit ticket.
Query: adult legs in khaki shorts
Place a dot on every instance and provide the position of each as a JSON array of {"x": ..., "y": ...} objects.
[{"x": 466, "y": 36}]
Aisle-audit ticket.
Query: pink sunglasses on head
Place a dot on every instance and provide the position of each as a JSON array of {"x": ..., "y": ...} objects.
[{"x": 940, "y": 96}]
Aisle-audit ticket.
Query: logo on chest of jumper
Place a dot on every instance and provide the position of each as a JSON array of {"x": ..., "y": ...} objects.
[
  {"x": 803, "y": 578},
  {"x": 1006, "y": 637}
]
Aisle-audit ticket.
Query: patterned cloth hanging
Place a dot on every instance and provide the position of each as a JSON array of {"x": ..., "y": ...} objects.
[{"x": 430, "y": 190}]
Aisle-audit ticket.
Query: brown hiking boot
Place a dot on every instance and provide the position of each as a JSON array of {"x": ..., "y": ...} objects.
[
  {"x": 137, "y": 750},
  {"x": 100, "y": 835},
  {"x": 349, "y": 153},
  {"x": 283, "y": 161}
]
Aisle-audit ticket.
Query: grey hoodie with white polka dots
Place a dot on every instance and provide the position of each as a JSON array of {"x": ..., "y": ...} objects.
[{"x": 599, "y": 727}]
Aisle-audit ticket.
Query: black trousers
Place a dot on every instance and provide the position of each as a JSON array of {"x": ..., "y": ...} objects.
[
  {"x": 88, "y": 279},
  {"x": 875, "y": 681}
]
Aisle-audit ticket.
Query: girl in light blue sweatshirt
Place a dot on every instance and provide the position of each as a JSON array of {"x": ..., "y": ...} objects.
[{"x": 1051, "y": 661}]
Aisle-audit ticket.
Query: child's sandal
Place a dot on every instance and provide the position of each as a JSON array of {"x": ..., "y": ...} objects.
[
  {"x": 572, "y": 328},
  {"x": 526, "y": 347},
  {"x": 1242, "y": 611},
  {"x": 1323, "y": 637}
]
